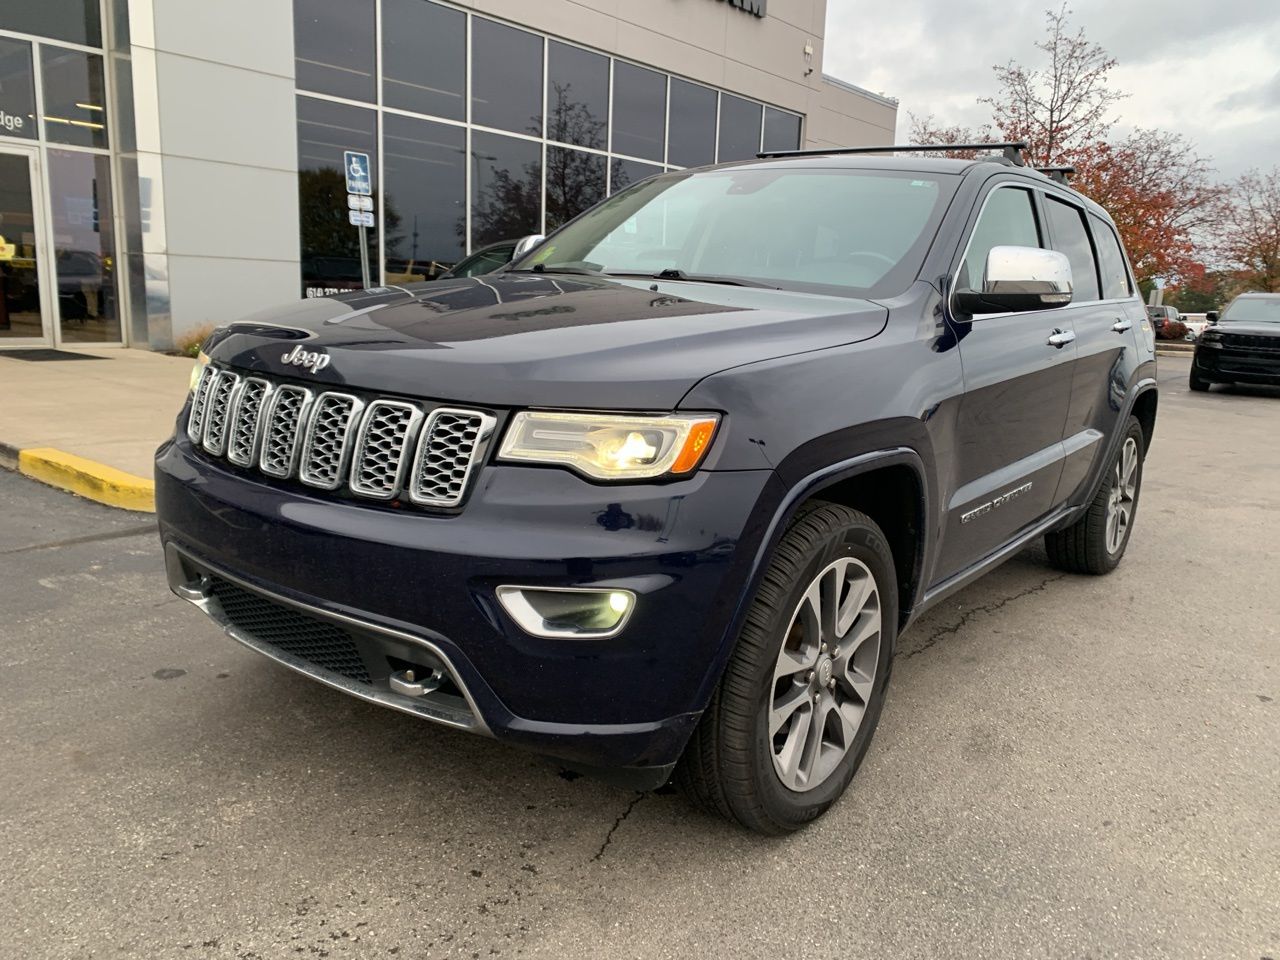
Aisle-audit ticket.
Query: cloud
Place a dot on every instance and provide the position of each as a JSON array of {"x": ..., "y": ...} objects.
[{"x": 1207, "y": 71}]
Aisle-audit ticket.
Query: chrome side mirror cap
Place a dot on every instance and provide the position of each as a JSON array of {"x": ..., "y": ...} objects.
[
  {"x": 525, "y": 244},
  {"x": 1017, "y": 279}
]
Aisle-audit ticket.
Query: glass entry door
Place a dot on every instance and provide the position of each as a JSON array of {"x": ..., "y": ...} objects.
[{"x": 25, "y": 315}]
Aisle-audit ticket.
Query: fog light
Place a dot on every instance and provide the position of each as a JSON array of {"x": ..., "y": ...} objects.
[{"x": 582, "y": 613}]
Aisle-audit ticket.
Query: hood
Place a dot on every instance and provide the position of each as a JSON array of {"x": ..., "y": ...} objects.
[
  {"x": 541, "y": 340},
  {"x": 1251, "y": 328}
]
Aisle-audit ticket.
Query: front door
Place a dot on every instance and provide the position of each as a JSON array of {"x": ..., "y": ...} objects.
[{"x": 26, "y": 315}]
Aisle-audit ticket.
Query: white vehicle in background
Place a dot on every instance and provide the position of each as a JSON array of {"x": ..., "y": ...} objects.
[{"x": 1195, "y": 324}]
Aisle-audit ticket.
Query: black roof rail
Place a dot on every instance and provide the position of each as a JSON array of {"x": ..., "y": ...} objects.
[
  {"x": 1012, "y": 150},
  {"x": 1058, "y": 174}
]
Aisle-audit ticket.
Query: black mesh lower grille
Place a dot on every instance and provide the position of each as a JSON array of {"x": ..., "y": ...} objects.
[{"x": 316, "y": 641}]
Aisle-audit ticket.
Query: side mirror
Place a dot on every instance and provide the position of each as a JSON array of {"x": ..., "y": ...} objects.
[
  {"x": 1212, "y": 316},
  {"x": 525, "y": 244},
  {"x": 1017, "y": 279}
]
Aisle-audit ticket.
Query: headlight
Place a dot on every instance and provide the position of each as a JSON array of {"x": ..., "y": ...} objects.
[
  {"x": 1211, "y": 338},
  {"x": 611, "y": 446},
  {"x": 202, "y": 361}
]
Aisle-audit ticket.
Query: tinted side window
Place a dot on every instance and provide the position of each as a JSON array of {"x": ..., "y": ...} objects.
[
  {"x": 1115, "y": 277},
  {"x": 1008, "y": 219},
  {"x": 1071, "y": 238}
]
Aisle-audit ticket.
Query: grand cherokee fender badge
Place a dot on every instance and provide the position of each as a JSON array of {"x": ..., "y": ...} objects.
[
  {"x": 315, "y": 361},
  {"x": 995, "y": 504}
]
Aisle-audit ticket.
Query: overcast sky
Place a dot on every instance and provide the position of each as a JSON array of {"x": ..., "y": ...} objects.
[{"x": 1210, "y": 71}]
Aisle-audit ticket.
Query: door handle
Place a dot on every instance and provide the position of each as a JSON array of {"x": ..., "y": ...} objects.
[
  {"x": 1122, "y": 325},
  {"x": 1060, "y": 338}
]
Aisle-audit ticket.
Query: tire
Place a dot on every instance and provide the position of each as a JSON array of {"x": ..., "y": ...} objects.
[
  {"x": 732, "y": 765},
  {"x": 1091, "y": 545},
  {"x": 1197, "y": 382}
]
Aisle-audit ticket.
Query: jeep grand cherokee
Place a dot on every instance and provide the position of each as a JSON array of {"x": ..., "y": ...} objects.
[{"x": 659, "y": 498}]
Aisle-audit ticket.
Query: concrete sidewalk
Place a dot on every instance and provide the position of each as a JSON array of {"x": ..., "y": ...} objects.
[{"x": 91, "y": 426}]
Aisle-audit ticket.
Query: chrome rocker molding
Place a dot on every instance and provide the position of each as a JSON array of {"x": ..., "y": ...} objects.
[{"x": 198, "y": 597}]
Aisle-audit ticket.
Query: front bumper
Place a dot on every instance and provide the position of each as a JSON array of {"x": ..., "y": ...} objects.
[
  {"x": 1237, "y": 365},
  {"x": 409, "y": 587}
]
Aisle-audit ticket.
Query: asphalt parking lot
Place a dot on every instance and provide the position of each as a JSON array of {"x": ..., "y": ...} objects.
[{"x": 1067, "y": 767}]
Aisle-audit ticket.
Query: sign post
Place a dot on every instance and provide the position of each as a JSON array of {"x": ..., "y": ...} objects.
[{"x": 360, "y": 202}]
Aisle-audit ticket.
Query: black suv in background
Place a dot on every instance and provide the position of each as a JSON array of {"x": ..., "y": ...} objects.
[
  {"x": 660, "y": 497},
  {"x": 1241, "y": 346}
]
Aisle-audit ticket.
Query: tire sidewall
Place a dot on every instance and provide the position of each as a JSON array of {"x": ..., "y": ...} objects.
[
  {"x": 785, "y": 807},
  {"x": 1134, "y": 432}
]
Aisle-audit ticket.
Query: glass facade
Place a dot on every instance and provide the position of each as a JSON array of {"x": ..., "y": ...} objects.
[
  {"x": 59, "y": 253},
  {"x": 481, "y": 132}
]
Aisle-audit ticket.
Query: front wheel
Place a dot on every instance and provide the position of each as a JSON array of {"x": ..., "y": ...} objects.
[
  {"x": 1096, "y": 542},
  {"x": 795, "y": 710},
  {"x": 1196, "y": 382}
]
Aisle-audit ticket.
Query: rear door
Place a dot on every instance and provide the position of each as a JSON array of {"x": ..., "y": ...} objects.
[
  {"x": 1106, "y": 317},
  {"x": 1017, "y": 387}
]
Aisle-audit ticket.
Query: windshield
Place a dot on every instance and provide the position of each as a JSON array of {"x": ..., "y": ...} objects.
[
  {"x": 839, "y": 231},
  {"x": 1254, "y": 310}
]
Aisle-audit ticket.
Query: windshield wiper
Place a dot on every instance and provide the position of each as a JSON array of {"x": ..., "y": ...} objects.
[
  {"x": 567, "y": 268},
  {"x": 675, "y": 273}
]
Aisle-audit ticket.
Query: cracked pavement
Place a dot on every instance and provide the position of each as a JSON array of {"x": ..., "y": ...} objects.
[{"x": 1066, "y": 767}]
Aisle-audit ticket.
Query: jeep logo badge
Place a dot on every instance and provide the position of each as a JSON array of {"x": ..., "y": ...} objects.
[{"x": 315, "y": 361}]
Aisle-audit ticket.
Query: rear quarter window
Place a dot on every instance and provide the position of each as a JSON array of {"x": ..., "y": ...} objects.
[{"x": 1115, "y": 274}]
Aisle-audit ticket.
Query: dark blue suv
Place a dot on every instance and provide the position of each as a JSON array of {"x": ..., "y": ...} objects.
[{"x": 658, "y": 498}]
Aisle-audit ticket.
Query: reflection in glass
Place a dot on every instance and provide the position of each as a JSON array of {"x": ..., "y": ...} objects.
[
  {"x": 83, "y": 246},
  {"x": 575, "y": 182},
  {"x": 781, "y": 130},
  {"x": 692, "y": 132},
  {"x": 639, "y": 111},
  {"x": 17, "y": 90},
  {"x": 20, "y": 316},
  {"x": 424, "y": 58},
  {"x": 330, "y": 245},
  {"x": 75, "y": 21},
  {"x": 739, "y": 128},
  {"x": 577, "y": 96},
  {"x": 425, "y": 197},
  {"x": 506, "y": 188},
  {"x": 626, "y": 172},
  {"x": 333, "y": 47},
  {"x": 75, "y": 99},
  {"x": 506, "y": 77}
]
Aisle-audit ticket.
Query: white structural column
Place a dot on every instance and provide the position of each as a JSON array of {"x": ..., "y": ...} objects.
[{"x": 213, "y": 87}]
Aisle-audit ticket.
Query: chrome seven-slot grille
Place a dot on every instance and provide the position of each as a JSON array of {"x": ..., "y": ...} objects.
[{"x": 380, "y": 449}]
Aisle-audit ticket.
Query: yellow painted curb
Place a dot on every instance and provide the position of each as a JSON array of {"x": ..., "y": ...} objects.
[{"x": 95, "y": 481}]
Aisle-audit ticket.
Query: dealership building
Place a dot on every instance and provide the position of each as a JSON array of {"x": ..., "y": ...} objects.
[{"x": 170, "y": 164}]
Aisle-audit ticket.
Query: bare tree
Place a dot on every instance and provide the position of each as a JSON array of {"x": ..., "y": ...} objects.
[
  {"x": 1059, "y": 107},
  {"x": 1248, "y": 233}
]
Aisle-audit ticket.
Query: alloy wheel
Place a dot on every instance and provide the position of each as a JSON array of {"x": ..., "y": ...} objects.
[
  {"x": 825, "y": 674},
  {"x": 1124, "y": 491}
]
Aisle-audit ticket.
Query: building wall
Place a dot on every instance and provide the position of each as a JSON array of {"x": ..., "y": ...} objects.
[{"x": 216, "y": 159}]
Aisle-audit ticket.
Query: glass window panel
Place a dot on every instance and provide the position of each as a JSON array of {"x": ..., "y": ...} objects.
[
  {"x": 577, "y": 96},
  {"x": 330, "y": 245},
  {"x": 506, "y": 188},
  {"x": 781, "y": 130},
  {"x": 1115, "y": 275},
  {"x": 1070, "y": 237},
  {"x": 639, "y": 111},
  {"x": 693, "y": 125},
  {"x": 424, "y": 210},
  {"x": 17, "y": 90},
  {"x": 506, "y": 77},
  {"x": 20, "y": 309},
  {"x": 83, "y": 246},
  {"x": 75, "y": 99},
  {"x": 1007, "y": 219},
  {"x": 626, "y": 172},
  {"x": 424, "y": 58},
  {"x": 739, "y": 128},
  {"x": 75, "y": 21},
  {"x": 575, "y": 182},
  {"x": 334, "y": 47}
]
